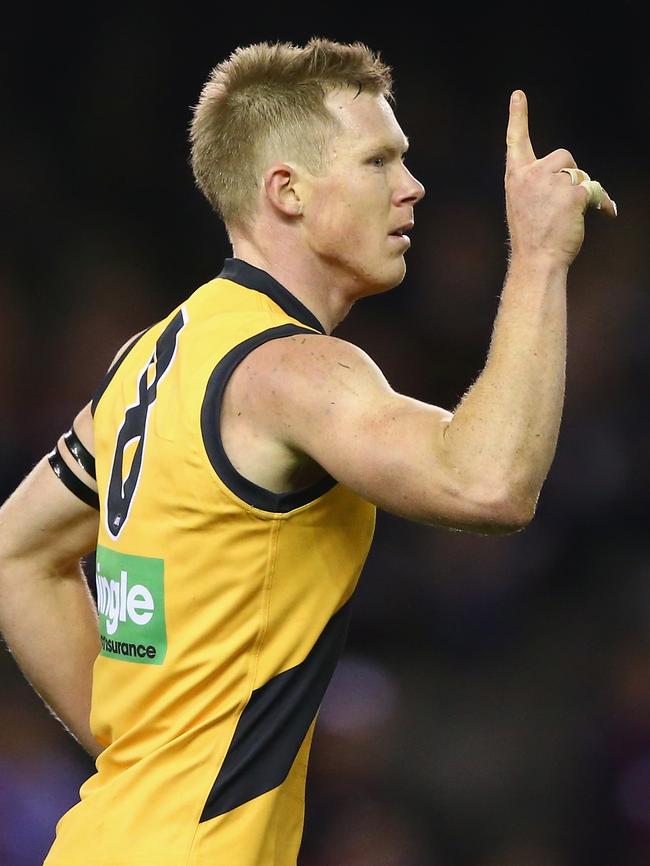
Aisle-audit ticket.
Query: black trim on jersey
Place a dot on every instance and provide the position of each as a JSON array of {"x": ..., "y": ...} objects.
[
  {"x": 72, "y": 482},
  {"x": 274, "y": 723},
  {"x": 247, "y": 490},
  {"x": 106, "y": 381},
  {"x": 253, "y": 278},
  {"x": 80, "y": 453},
  {"x": 121, "y": 491}
]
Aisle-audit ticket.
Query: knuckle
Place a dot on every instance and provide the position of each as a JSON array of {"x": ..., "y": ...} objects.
[
  {"x": 512, "y": 177},
  {"x": 566, "y": 155},
  {"x": 518, "y": 177}
]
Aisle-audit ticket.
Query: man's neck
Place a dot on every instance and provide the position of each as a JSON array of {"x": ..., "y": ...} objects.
[{"x": 308, "y": 282}]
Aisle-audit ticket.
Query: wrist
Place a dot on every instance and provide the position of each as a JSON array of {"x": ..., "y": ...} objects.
[{"x": 539, "y": 264}]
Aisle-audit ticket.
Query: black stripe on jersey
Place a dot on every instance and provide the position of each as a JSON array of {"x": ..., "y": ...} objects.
[
  {"x": 247, "y": 490},
  {"x": 253, "y": 278},
  {"x": 72, "y": 482},
  {"x": 274, "y": 724},
  {"x": 80, "y": 453},
  {"x": 106, "y": 381}
]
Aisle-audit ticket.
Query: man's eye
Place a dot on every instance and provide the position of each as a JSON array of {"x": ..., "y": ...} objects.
[{"x": 378, "y": 161}]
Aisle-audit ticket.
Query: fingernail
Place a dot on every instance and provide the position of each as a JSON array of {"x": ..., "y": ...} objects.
[
  {"x": 516, "y": 96},
  {"x": 615, "y": 208}
]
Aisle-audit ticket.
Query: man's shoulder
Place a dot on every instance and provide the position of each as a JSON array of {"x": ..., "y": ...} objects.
[
  {"x": 299, "y": 378},
  {"x": 305, "y": 357}
]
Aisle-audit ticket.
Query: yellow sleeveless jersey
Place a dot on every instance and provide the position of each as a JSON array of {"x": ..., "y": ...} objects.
[{"x": 223, "y": 607}]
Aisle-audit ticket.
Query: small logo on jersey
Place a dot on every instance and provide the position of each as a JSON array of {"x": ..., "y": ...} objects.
[{"x": 131, "y": 604}]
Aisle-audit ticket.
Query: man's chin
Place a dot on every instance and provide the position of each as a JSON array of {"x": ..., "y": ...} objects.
[
  {"x": 393, "y": 276},
  {"x": 375, "y": 282}
]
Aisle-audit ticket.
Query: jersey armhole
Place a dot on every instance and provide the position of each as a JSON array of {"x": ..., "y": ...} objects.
[{"x": 248, "y": 491}]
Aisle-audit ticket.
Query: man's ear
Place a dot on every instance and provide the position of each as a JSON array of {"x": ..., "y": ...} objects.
[{"x": 282, "y": 188}]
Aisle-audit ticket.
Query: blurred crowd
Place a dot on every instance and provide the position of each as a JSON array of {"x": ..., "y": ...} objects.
[{"x": 493, "y": 704}]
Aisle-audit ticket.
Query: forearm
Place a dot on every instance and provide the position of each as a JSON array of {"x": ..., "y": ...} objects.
[
  {"x": 49, "y": 621},
  {"x": 504, "y": 433}
]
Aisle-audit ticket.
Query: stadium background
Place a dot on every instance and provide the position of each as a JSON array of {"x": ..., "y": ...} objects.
[{"x": 493, "y": 705}]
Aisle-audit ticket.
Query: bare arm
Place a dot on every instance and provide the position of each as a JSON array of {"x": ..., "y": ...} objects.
[
  {"x": 510, "y": 419},
  {"x": 481, "y": 468},
  {"x": 47, "y": 614}
]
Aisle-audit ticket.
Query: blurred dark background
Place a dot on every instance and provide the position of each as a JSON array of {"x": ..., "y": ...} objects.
[{"x": 493, "y": 705}]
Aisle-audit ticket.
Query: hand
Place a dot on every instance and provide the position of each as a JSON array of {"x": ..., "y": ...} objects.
[{"x": 545, "y": 211}]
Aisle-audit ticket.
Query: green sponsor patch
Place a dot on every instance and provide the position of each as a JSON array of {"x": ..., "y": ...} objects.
[{"x": 131, "y": 604}]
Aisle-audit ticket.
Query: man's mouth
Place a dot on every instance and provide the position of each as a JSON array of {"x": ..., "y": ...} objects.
[{"x": 401, "y": 231}]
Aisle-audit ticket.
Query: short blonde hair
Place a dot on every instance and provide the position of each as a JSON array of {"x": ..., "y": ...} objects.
[{"x": 266, "y": 101}]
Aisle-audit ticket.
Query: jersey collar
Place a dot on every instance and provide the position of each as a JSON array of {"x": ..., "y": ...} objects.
[{"x": 247, "y": 275}]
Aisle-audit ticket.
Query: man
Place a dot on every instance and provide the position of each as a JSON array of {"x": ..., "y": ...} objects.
[{"x": 240, "y": 451}]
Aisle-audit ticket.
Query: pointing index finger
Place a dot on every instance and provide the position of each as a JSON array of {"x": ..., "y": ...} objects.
[{"x": 519, "y": 149}]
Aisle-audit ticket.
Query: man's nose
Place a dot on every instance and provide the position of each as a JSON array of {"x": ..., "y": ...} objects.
[{"x": 413, "y": 190}]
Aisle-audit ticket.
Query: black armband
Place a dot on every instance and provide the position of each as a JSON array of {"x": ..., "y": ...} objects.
[
  {"x": 80, "y": 453},
  {"x": 72, "y": 482}
]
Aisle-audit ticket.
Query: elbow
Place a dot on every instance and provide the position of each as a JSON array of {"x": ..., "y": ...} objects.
[
  {"x": 508, "y": 513},
  {"x": 491, "y": 510},
  {"x": 498, "y": 510},
  {"x": 487, "y": 515}
]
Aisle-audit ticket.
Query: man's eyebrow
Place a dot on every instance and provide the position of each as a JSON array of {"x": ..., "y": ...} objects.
[{"x": 391, "y": 148}]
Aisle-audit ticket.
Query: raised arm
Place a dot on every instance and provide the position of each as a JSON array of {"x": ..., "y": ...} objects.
[{"x": 482, "y": 467}]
